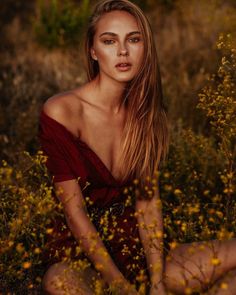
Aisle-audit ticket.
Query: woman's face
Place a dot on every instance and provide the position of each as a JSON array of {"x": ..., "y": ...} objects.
[{"x": 118, "y": 40}]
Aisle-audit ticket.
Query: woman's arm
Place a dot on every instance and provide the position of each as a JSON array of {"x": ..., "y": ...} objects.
[
  {"x": 149, "y": 216},
  {"x": 70, "y": 194}
]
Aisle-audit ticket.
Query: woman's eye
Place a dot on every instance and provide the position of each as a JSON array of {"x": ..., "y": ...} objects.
[
  {"x": 108, "y": 41},
  {"x": 135, "y": 40}
]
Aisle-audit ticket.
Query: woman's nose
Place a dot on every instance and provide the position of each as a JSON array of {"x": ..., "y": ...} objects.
[{"x": 122, "y": 51}]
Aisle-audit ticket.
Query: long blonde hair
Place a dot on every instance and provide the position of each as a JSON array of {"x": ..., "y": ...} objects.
[{"x": 146, "y": 131}]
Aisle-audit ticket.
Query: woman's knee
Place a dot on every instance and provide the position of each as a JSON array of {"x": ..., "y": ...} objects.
[
  {"x": 60, "y": 277},
  {"x": 53, "y": 277}
]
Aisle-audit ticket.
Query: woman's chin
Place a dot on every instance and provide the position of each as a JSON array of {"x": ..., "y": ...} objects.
[{"x": 124, "y": 78}]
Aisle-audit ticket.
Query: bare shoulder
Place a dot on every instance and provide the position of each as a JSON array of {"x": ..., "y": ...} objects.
[{"x": 63, "y": 106}]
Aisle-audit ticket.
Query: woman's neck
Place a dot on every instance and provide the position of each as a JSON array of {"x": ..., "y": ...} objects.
[{"x": 109, "y": 93}]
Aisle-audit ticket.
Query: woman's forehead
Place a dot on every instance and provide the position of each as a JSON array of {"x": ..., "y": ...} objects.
[{"x": 116, "y": 21}]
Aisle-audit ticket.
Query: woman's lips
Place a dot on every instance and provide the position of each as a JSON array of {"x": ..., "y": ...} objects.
[{"x": 123, "y": 66}]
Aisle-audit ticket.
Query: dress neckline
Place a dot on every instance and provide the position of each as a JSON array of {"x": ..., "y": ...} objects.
[{"x": 77, "y": 139}]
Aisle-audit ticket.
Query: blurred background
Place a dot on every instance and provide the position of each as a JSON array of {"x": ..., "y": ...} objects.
[{"x": 41, "y": 54}]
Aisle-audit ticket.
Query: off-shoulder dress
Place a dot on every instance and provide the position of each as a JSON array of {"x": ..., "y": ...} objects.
[{"x": 68, "y": 157}]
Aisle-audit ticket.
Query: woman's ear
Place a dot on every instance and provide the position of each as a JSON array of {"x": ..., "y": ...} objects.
[{"x": 93, "y": 54}]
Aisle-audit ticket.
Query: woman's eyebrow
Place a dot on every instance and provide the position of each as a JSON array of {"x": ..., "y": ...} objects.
[{"x": 114, "y": 34}]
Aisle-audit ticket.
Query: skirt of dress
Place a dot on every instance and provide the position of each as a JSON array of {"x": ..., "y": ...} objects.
[{"x": 125, "y": 247}]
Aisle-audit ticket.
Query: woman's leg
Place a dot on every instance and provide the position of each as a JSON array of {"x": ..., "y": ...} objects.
[
  {"x": 225, "y": 285},
  {"x": 61, "y": 279},
  {"x": 196, "y": 266}
]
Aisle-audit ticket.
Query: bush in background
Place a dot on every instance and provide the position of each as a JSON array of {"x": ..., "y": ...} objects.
[
  {"x": 60, "y": 23},
  {"x": 198, "y": 186}
]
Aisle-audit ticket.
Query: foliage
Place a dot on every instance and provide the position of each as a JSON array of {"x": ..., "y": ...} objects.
[
  {"x": 195, "y": 184},
  {"x": 26, "y": 208},
  {"x": 192, "y": 190},
  {"x": 205, "y": 207},
  {"x": 60, "y": 23},
  {"x": 149, "y": 4},
  {"x": 198, "y": 182},
  {"x": 186, "y": 39},
  {"x": 218, "y": 101}
]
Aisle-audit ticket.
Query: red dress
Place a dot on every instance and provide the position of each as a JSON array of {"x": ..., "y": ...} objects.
[{"x": 70, "y": 158}]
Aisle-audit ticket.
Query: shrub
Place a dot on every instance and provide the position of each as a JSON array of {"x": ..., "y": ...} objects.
[
  {"x": 60, "y": 23},
  {"x": 218, "y": 102},
  {"x": 198, "y": 181},
  {"x": 27, "y": 207}
]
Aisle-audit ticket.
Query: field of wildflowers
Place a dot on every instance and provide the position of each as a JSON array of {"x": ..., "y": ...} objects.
[{"x": 197, "y": 182}]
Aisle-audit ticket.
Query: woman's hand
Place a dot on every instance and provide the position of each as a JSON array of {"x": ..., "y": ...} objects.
[{"x": 157, "y": 290}]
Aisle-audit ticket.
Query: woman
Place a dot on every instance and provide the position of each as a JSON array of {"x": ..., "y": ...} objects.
[{"x": 105, "y": 138}]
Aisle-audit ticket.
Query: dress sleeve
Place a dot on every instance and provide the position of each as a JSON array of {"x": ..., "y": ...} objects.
[{"x": 53, "y": 146}]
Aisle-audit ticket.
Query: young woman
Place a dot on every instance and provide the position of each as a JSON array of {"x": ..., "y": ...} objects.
[{"x": 105, "y": 142}]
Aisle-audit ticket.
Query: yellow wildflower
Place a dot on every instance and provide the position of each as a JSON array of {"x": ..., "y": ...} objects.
[
  {"x": 188, "y": 290},
  {"x": 27, "y": 264},
  {"x": 37, "y": 250},
  {"x": 20, "y": 248},
  {"x": 173, "y": 245},
  {"x": 215, "y": 261},
  {"x": 177, "y": 191},
  {"x": 224, "y": 286},
  {"x": 49, "y": 230}
]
